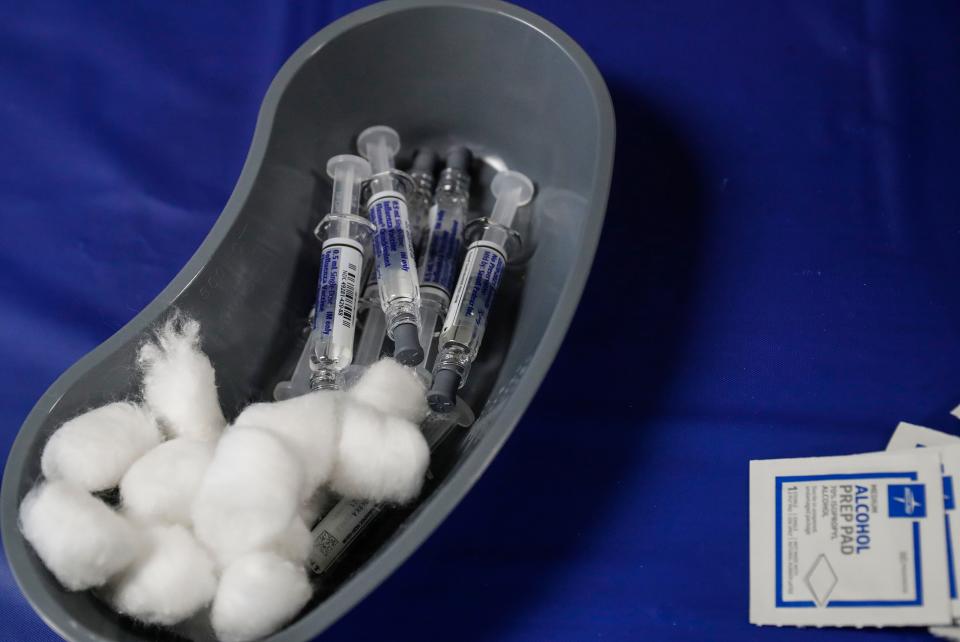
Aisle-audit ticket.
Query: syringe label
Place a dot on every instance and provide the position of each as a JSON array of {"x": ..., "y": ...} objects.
[
  {"x": 391, "y": 240},
  {"x": 337, "y": 529},
  {"x": 483, "y": 269},
  {"x": 336, "y": 311},
  {"x": 443, "y": 246}
]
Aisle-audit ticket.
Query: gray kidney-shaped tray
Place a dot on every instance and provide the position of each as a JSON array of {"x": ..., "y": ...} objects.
[{"x": 492, "y": 76}]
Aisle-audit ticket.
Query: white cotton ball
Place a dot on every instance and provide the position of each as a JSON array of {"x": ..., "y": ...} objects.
[
  {"x": 79, "y": 538},
  {"x": 161, "y": 485},
  {"x": 392, "y": 389},
  {"x": 173, "y": 578},
  {"x": 316, "y": 506},
  {"x": 309, "y": 425},
  {"x": 179, "y": 382},
  {"x": 249, "y": 494},
  {"x": 294, "y": 543},
  {"x": 95, "y": 449},
  {"x": 258, "y": 594},
  {"x": 381, "y": 458}
]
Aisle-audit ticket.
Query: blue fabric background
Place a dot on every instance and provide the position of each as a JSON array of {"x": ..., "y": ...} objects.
[{"x": 777, "y": 278}]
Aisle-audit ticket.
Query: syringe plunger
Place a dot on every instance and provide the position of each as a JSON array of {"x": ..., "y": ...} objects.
[
  {"x": 348, "y": 173},
  {"x": 379, "y": 144},
  {"x": 511, "y": 189}
]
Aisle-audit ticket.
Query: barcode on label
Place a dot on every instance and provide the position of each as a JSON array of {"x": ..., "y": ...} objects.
[
  {"x": 349, "y": 295},
  {"x": 326, "y": 543}
]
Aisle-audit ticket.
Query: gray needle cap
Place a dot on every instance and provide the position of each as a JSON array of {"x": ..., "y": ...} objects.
[
  {"x": 424, "y": 161},
  {"x": 442, "y": 395},
  {"x": 459, "y": 158},
  {"x": 406, "y": 344}
]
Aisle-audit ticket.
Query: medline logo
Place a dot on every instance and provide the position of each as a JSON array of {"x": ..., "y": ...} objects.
[
  {"x": 906, "y": 500},
  {"x": 909, "y": 502}
]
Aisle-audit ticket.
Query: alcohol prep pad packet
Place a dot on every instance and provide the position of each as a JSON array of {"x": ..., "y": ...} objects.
[
  {"x": 907, "y": 436},
  {"x": 848, "y": 541}
]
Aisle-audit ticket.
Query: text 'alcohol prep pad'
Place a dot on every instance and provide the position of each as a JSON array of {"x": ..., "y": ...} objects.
[{"x": 848, "y": 541}]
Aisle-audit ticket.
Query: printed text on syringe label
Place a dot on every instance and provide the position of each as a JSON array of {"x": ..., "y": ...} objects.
[
  {"x": 443, "y": 247},
  {"x": 391, "y": 240},
  {"x": 340, "y": 265},
  {"x": 475, "y": 290}
]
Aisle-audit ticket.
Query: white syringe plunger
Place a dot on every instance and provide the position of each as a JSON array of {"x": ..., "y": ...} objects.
[
  {"x": 512, "y": 190},
  {"x": 348, "y": 173},
  {"x": 379, "y": 144}
]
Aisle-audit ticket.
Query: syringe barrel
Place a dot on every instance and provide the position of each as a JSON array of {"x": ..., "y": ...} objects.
[
  {"x": 438, "y": 261},
  {"x": 445, "y": 224},
  {"x": 466, "y": 320},
  {"x": 397, "y": 278},
  {"x": 335, "y": 319},
  {"x": 396, "y": 269},
  {"x": 388, "y": 189},
  {"x": 444, "y": 243}
]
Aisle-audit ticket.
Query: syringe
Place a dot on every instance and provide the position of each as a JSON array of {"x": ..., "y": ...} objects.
[
  {"x": 419, "y": 200},
  {"x": 375, "y": 326},
  {"x": 438, "y": 261},
  {"x": 480, "y": 275},
  {"x": 396, "y": 269},
  {"x": 329, "y": 348}
]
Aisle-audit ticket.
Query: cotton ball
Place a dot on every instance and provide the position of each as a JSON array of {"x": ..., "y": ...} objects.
[
  {"x": 380, "y": 458},
  {"x": 161, "y": 485},
  {"x": 249, "y": 494},
  {"x": 79, "y": 538},
  {"x": 95, "y": 449},
  {"x": 179, "y": 382},
  {"x": 258, "y": 594},
  {"x": 294, "y": 543},
  {"x": 392, "y": 389},
  {"x": 309, "y": 425},
  {"x": 173, "y": 578}
]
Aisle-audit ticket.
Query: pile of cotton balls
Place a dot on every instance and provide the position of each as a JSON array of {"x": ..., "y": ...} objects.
[{"x": 211, "y": 515}]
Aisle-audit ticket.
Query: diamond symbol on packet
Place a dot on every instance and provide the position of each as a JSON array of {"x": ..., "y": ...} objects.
[{"x": 821, "y": 580}]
